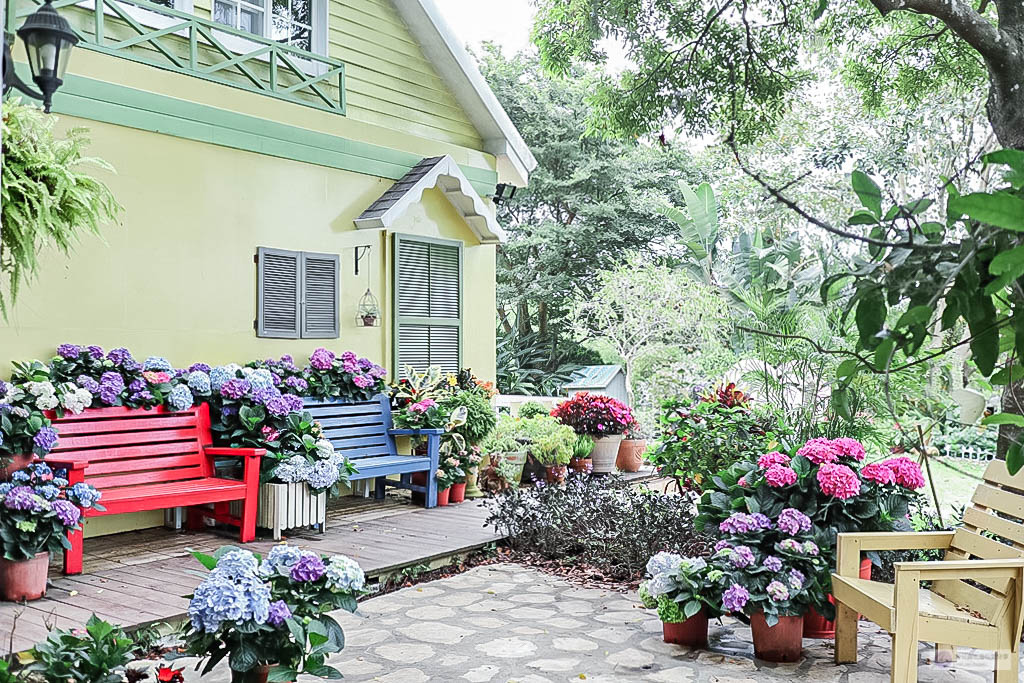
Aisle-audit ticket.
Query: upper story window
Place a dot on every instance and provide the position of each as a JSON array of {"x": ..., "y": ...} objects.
[{"x": 286, "y": 21}]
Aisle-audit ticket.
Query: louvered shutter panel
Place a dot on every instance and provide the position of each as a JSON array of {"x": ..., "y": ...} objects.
[
  {"x": 428, "y": 295},
  {"x": 320, "y": 275},
  {"x": 277, "y": 292}
]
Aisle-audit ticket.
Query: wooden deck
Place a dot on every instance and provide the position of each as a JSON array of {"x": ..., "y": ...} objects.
[{"x": 141, "y": 577}]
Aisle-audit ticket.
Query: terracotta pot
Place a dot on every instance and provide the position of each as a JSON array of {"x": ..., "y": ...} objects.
[
  {"x": 817, "y": 626},
  {"x": 457, "y": 494},
  {"x": 24, "y": 580},
  {"x": 257, "y": 674},
  {"x": 582, "y": 465},
  {"x": 606, "y": 448},
  {"x": 420, "y": 479},
  {"x": 631, "y": 455},
  {"x": 442, "y": 498},
  {"x": 555, "y": 474},
  {"x": 369, "y": 321},
  {"x": 780, "y": 643},
  {"x": 18, "y": 462},
  {"x": 692, "y": 633}
]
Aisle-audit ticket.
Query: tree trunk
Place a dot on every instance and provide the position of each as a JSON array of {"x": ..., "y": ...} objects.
[
  {"x": 1005, "y": 106},
  {"x": 524, "y": 318}
]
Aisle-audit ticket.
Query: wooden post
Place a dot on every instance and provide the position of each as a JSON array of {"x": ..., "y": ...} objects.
[
  {"x": 847, "y": 564},
  {"x": 905, "y": 630}
]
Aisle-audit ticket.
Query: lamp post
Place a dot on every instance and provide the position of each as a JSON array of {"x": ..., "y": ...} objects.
[{"x": 48, "y": 41}]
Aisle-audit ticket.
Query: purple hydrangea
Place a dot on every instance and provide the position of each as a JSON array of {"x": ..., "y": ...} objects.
[
  {"x": 362, "y": 381},
  {"x": 796, "y": 579},
  {"x": 141, "y": 397},
  {"x": 349, "y": 357},
  {"x": 735, "y": 598},
  {"x": 45, "y": 439},
  {"x": 69, "y": 351},
  {"x": 119, "y": 356},
  {"x": 738, "y": 523},
  {"x": 278, "y": 406},
  {"x": 228, "y": 411},
  {"x": 277, "y": 613},
  {"x": 201, "y": 367},
  {"x": 322, "y": 359},
  {"x": 22, "y": 498},
  {"x": 741, "y": 556},
  {"x": 792, "y": 521},
  {"x": 263, "y": 394},
  {"x": 722, "y": 545},
  {"x": 234, "y": 388},
  {"x": 297, "y": 383},
  {"x": 111, "y": 386},
  {"x": 136, "y": 385},
  {"x": 95, "y": 352},
  {"x": 777, "y": 591},
  {"x": 88, "y": 383},
  {"x": 309, "y": 568},
  {"x": 772, "y": 563},
  {"x": 762, "y": 521},
  {"x": 67, "y": 512},
  {"x": 293, "y": 402}
]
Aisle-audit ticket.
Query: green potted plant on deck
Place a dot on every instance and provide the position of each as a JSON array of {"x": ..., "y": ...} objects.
[
  {"x": 582, "y": 448},
  {"x": 37, "y": 510},
  {"x": 269, "y": 617},
  {"x": 683, "y": 591},
  {"x": 601, "y": 417},
  {"x": 506, "y": 444},
  {"x": 551, "y": 444}
]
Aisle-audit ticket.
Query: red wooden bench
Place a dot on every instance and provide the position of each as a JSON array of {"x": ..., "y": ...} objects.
[{"x": 152, "y": 460}]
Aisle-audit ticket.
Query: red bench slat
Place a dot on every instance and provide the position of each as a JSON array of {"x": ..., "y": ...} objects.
[
  {"x": 139, "y": 464},
  {"x": 112, "y": 426},
  {"x": 126, "y": 452},
  {"x": 104, "y": 483},
  {"x": 126, "y": 438}
]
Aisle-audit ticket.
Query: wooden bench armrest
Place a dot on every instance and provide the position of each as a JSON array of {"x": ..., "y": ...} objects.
[
  {"x": 414, "y": 432},
  {"x": 237, "y": 452},
  {"x": 963, "y": 569},
  {"x": 850, "y": 545},
  {"x": 71, "y": 464}
]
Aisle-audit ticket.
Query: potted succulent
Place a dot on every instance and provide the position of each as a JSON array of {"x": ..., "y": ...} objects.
[
  {"x": 766, "y": 568},
  {"x": 601, "y": 417},
  {"x": 269, "y": 617},
  {"x": 582, "y": 448},
  {"x": 631, "y": 450},
  {"x": 682, "y": 589},
  {"x": 551, "y": 444},
  {"x": 37, "y": 510}
]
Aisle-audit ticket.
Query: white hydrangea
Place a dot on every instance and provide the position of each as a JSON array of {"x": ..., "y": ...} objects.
[
  {"x": 293, "y": 470},
  {"x": 47, "y": 402},
  {"x": 344, "y": 574},
  {"x": 324, "y": 449},
  {"x": 260, "y": 378},
  {"x": 40, "y": 389},
  {"x": 74, "y": 399}
]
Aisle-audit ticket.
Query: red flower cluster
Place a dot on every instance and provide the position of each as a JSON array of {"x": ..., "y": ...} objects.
[
  {"x": 728, "y": 396},
  {"x": 594, "y": 414}
]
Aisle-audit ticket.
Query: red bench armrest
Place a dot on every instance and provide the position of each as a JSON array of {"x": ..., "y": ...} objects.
[
  {"x": 60, "y": 463},
  {"x": 238, "y": 452}
]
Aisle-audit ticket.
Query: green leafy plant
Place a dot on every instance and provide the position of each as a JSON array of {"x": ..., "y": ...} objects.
[
  {"x": 97, "y": 655},
  {"x": 46, "y": 198},
  {"x": 532, "y": 409},
  {"x": 480, "y": 417},
  {"x": 551, "y": 442}
]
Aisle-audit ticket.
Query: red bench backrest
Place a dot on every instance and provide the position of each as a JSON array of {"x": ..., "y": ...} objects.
[{"x": 129, "y": 446}]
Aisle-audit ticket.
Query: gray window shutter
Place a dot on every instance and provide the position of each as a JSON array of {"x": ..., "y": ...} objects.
[
  {"x": 428, "y": 296},
  {"x": 277, "y": 292},
  {"x": 320, "y": 294}
]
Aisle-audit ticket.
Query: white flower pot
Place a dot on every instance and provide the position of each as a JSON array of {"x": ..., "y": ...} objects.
[
  {"x": 288, "y": 506},
  {"x": 606, "y": 448}
]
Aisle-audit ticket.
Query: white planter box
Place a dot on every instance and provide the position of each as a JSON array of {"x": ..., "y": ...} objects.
[{"x": 287, "y": 506}]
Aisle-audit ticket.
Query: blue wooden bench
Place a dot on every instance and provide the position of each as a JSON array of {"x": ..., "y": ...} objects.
[{"x": 363, "y": 433}]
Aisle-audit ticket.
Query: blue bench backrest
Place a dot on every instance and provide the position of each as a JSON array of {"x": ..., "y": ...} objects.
[{"x": 357, "y": 430}]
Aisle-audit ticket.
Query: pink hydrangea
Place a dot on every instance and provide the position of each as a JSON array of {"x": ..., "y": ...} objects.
[
  {"x": 906, "y": 471},
  {"x": 773, "y": 458},
  {"x": 838, "y": 481},
  {"x": 423, "y": 406},
  {"x": 849, "y": 448},
  {"x": 778, "y": 476},
  {"x": 156, "y": 377},
  {"x": 819, "y": 451},
  {"x": 878, "y": 472},
  {"x": 743, "y": 481}
]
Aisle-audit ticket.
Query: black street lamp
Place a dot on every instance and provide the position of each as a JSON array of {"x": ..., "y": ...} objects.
[{"x": 48, "y": 41}]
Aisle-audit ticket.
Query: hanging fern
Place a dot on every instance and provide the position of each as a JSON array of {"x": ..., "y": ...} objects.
[{"x": 46, "y": 198}]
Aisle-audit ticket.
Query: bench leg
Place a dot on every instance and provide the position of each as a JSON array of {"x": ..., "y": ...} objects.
[
  {"x": 431, "y": 498},
  {"x": 846, "y": 634},
  {"x": 380, "y": 486},
  {"x": 1007, "y": 666},
  {"x": 73, "y": 555},
  {"x": 248, "y": 530}
]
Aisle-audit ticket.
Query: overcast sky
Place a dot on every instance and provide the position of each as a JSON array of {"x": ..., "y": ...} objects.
[{"x": 474, "y": 21}]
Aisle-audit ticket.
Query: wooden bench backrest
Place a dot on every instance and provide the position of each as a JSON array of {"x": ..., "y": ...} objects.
[
  {"x": 130, "y": 446},
  {"x": 993, "y": 529},
  {"x": 357, "y": 429}
]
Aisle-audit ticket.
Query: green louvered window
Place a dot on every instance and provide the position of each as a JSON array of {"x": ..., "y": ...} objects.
[{"x": 428, "y": 303}]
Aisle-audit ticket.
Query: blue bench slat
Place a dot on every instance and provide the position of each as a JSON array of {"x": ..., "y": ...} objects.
[
  {"x": 390, "y": 464},
  {"x": 359, "y": 430},
  {"x": 330, "y": 423}
]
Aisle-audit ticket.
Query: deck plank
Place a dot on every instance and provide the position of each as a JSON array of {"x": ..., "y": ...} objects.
[{"x": 141, "y": 577}]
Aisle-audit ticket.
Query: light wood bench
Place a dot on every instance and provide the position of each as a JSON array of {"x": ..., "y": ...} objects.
[{"x": 976, "y": 594}]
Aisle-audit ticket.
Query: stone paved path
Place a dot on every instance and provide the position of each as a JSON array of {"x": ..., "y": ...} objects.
[{"x": 507, "y": 623}]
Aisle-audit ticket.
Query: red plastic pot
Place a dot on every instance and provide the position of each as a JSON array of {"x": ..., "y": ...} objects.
[
  {"x": 817, "y": 626},
  {"x": 420, "y": 479},
  {"x": 442, "y": 498},
  {"x": 457, "y": 493},
  {"x": 692, "y": 633},
  {"x": 24, "y": 580},
  {"x": 780, "y": 643}
]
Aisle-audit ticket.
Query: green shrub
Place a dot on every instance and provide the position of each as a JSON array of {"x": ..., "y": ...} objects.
[
  {"x": 97, "y": 656},
  {"x": 532, "y": 409},
  {"x": 480, "y": 417}
]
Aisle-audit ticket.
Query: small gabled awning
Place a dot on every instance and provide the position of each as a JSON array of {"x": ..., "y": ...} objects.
[{"x": 444, "y": 174}]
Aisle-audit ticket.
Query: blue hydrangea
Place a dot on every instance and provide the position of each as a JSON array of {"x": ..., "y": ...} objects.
[
  {"x": 344, "y": 574},
  {"x": 48, "y": 491},
  {"x": 5, "y": 486},
  {"x": 292, "y": 470},
  {"x": 83, "y": 495},
  {"x": 41, "y": 469},
  {"x": 180, "y": 398},
  {"x": 261, "y": 378},
  {"x": 21, "y": 476},
  {"x": 660, "y": 584},
  {"x": 222, "y": 373},
  {"x": 217, "y": 600},
  {"x": 236, "y": 564},
  {"x": 156, "y": 364},
  {"x": 199, "y": 382},
  {"x": 322, "y": 474},
  {"x": 279, "y": 560}
]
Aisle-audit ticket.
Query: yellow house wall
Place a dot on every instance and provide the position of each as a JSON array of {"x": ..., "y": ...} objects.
[{"x": 177, "y": 278}]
